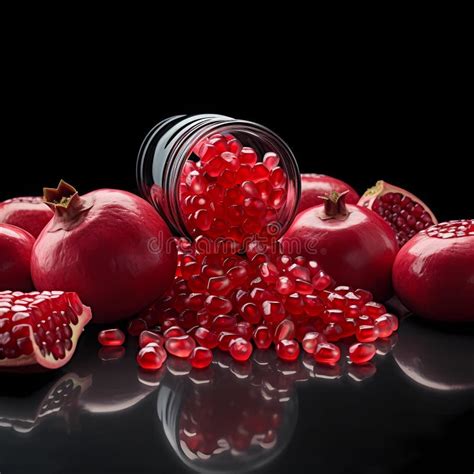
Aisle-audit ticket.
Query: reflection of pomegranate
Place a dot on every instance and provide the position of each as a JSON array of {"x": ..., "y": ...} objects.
[
  {"x": 54, "y": 399},
  {"x": 436, "y": 357}
]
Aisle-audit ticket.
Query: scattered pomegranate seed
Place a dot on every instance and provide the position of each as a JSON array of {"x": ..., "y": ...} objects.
[
  {"x": 288, "y": 350},
  {"x": 136, "y": 327},
  {"x": 201, "y": 357},
  {"x": 181, "y": 346},
  {"x": 367, "y": 333},
  {"x": 146, "y": 337},
  {"x": 111, "y": 337},
  {"x": 327, "y": 353},
  {"x": 240, "y": 349},
  {"x": 361, "y": 353},
  {"x": 174, "y": 331},
  {"x": 151, "y": 357},
  {"x": 311, "y": 340},
  {"x": 262, "y": 337}
]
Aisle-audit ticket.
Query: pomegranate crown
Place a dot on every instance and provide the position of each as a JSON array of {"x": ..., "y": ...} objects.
[
  {"x": 374, "y": 190},
  {"x": 335, "y": 206},
  {"x": 60, "y": 196}
]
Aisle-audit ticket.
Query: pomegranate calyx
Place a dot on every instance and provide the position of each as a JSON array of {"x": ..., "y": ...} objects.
[
  {"x": 66, "y": 204},
  {"x": 334, "y": 206}
]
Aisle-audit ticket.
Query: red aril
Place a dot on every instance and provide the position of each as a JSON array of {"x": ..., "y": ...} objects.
[
  {"x": 288, "y": 350},
  {"x": 136, "y": 327},
  {"x": 406, "y": 213},
  {"x": 147, "y": 337},
  {"x": 313, "y": 186},
  {"x": 28, "y": 213},
  {"x": 201, "y": 357},
  {"x": 181, "y": 346},
  {"x": 433, "y": 274},
  {"x": 262, "y": 337},
  {"x": 206, "y": 338},
  {"x": 311, "y": 340},
  {"x": 111, "y": 337},
  {"x": 352, "y": 244},
  {"x": 327, "y": 353},
  {"x": 109, "y": 246},
  {"x": 366, "y": 333},
  {"x": 174, "y": 331},
  {"x": 284, "y": 330},
  {"x": 361, "y": 353},
  {"x": 240, "y": 349},
  {"x": 40, "y": 329},
  {"x": 151, "y": 357},
  {"x": 15, "y": 254}
]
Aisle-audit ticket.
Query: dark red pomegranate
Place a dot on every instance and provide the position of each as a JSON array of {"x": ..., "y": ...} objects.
[
  {"x": 39, "y": 329},
  {"x": 29, "y": 213},
  {"x": 406, "y": 213},
  {"x": 433, "y": 274},
  {"x": 313, "y": 186},
  {"x": 109, "y": 246},
  {"x": 15, "y": 255},
  {"x": 352, "y": 244}
]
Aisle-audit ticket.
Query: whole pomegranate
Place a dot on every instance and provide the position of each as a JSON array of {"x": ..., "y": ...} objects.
[
  {"x": 29, "y": 213},
  {"x": 109, "y": 246},
  {"x": 433, "y": 274},
  {"x": 352, "y": 244},
  {"x": 313, "y": 186},
  {"x": 15, "y": 254}
]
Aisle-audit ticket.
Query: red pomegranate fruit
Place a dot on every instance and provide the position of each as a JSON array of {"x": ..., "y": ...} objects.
[
  {"x": 109, "y": 246},
  {"x": 29, "y": 213},
  {"x": 39, "y": 329},
  {"x": 433, "y": 274},
  {"x": 15, "y": 254},
  {"x": 313, "y": 186},
  {"x": 406, "y": 213},
  {"x": 352, "y": 244}
]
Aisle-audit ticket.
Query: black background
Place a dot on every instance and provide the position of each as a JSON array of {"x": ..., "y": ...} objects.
[{"x": 356, "y": 114}]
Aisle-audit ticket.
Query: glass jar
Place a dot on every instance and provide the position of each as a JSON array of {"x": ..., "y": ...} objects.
[{"x": 169, "y": 158}]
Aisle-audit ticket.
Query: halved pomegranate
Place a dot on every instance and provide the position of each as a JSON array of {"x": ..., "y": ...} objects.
[
  {"x": 40, "y": 329},
  {"x": 406, "y": 213}
]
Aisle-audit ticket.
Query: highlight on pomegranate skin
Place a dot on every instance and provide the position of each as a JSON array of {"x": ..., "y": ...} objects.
[
  {"x": 433, "y": 273},
  {"x": 406, "y": 214},
  {"x": 39, "y": 328}
]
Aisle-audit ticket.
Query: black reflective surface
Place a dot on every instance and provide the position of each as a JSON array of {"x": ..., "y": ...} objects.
[{"x": 411, "y": 410}]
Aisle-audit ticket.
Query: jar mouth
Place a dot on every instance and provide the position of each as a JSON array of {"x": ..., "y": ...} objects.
[{"x": 177, "y": 147}]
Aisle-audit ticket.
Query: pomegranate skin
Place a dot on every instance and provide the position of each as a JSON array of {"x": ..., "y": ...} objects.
[
  {"x": 15, "y": 253},
  {"x": 434, "y": 277},
  {"x": 357, "y": 251},
  {"x": 29, "y": 213},
  {"x": 109, "y": 246},
  {"x": 315, "y": 185}
]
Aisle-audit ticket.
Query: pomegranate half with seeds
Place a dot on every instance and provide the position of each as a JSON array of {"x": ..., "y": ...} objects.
[
  {"x": 40, "y": 329},
  {"x": 406, "y": 213},
  {"x": 433, "y": 274},
  {"x": 109, "y": 246},
  {"x": 313, "y": 186},
  {"x": 29, "y": 213}
]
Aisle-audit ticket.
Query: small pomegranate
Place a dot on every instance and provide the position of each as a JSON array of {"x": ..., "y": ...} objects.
[
  {"x": 15, "y": 254},
  {"x": 406, "y": 213},
  {"x": 433, "y": 274},
  {"x": 313, "y": 186},
  {"x": 39, "y": 329},
  {"x": 109, "y": 246},
  {"x": 353, "y": 245},
  {"x": 29, "y": 213}
]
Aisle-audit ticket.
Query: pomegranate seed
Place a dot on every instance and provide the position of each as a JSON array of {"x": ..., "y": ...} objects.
[
  {"x": 394, "y": 320},
  {"x": 225, "y": 338},
  {"x": 311, "y": 340},
  {"x": 384, "y": 326},
  {"x": 284, "y": 285},
  {"x": 219, "y": 286},
  {"x": 201, "y": 357},
  {"x": 374, "y": 310},
  {"x": 206, "y": 338},
  {"x": 181, "y": 346},
  {"x": 366, "y": 333},
  {"x": 111, "y": 337},
  {"x": 248, "y": 156},
  {"x": 327, "y": 353},
  {"x": 151, "y": 357},
  {"x": 147, "y": 337},
  {"x": 240, "y": 349},
  {"x": 251, "y": 313},
  {"x": 288, "y": 350},
  {"x": 361, "y": 353},
  {"x": 218, "y": 305},
  {"x": 245, "y": 329},
  {"x": 321, "y": 281},
  {"x": 136, "y": 327},
  {"x": 223, "y": 323},
  {"x": 273, "y": 311},
  {"x": 333, "y": 332},
  {"x": 284, "y": 330},
  {"x": 174, "y": 331},
  {"x": 262, "y": 337}
]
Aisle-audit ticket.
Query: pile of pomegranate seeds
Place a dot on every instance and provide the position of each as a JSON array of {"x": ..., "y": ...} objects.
[
  {"x": 235, "y": 302},
  {"x": 222, "y": 299},
  {"x": 227, "y": 193}
]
